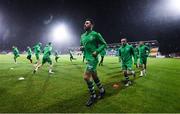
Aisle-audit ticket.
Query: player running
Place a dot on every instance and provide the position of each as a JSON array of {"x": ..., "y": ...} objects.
[
  {"x": 29, "y": 52},
  {"x": 46, "y": 58},
  {"x": 37, "y": 51},
  {"x": 92, "y": 43},
  {"x": 71, "y": 56},
  {"x": 126, "y": 53},
  {"x": 143, "y": 53},
  {"x": 56, "y": 56},
  {"x": 16, "y": 53}
]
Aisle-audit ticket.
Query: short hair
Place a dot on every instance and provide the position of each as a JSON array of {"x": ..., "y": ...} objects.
[
  {"x": 91, "y": 20},
  {"x": 124, "y": 38},
  {"x": 141, "y": 42}
]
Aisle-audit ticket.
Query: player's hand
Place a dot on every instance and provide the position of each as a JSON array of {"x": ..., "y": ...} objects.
[{"x": 94, "y": 54}]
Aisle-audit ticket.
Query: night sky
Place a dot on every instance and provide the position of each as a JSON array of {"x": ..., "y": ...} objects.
[{"x": 26, "y": 22}]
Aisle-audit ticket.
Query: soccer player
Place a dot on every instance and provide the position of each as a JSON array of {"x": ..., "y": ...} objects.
[
  {"x": 92, "y": 43},
  {"x": 126, "y": 53},
  {"x": 46, "y": 58},
  {"x": 16, "y": 53},
  {"x": 135, "y": 55},
  {"x": 102, "y": 54},
  {"x": 71, "y": 56},
  {"x": 29, "y": 54},
  {"x": 143, "y": 53},
  {"x": 37, "y": 51},
  {"x": 56, "y": 56}
]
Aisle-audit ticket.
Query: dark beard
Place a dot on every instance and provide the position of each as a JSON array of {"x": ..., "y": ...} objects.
[{"x": 87, "y": 29}]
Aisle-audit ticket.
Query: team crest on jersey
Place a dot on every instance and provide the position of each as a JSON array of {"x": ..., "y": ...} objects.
[{"x": 127, "y": 49}]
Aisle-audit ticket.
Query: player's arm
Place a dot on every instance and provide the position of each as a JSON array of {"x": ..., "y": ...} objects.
[
  {"x": 50, "y": 50},
  {"x": 81, "y": 45},
  {"x": 147, "y": 49},
  {"x": 138, "y": 52},
  {"x": 132, "y": 52},
  {"x": 119, "y": 54},
  {"x": 101, "y": 42}
]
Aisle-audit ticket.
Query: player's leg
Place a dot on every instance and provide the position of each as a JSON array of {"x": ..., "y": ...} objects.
[
  {"x": 56, "y": 58},
  {"x": 127, "y": 80},
  {"x": 124, "y": 69},
  {"x": 141, "y": 66},
  {"x": 135, "y": 61},
  {"x": 87, "y": 78},
  {"x": 27, "y": 57},
  {"x": 15, "y": 58},
  {"x": 31, "y": 59},
  {"x": 38, "y": 65},
  {"x": 71, "y": 58},
  {"x": 144, "y": 66},
  {"x": 50, "y": 65},
  {"x": 37, "y": 58},
  {"x": 130, "y": 71},
  {"x": 99, "y": 85},
  {"x": 97, "y": 80}
]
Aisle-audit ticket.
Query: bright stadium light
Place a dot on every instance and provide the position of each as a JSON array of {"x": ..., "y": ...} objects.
[
  {"x": 173, "y": 7},
  {"x": 60, "y": 33},
  {"x": 168, "y": 10}
]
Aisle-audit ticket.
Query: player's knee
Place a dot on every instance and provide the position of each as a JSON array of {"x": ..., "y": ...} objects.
[
  {"x": 86, "y": 76},
  {"x": 94, "y": 75},
  {"x": 125, "y": 72}
]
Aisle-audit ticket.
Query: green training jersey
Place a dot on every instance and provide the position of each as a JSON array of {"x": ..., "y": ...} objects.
[
  {"x": 29, "y": 51},
  {"x": 135, "y": 51},
  {"x": 143, "y": 51},
  {"x": 126, "y": 52},
  {"x": 37, "y": 49},
  {"x": 47, "y": 51},
  {"x": 103, "y": 52},
  {"x": 15, "y": 51},
  {"x": 92, "y": 41}
]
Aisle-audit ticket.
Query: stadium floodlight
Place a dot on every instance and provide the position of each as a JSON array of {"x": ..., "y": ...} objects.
[
  {"x": 60, "y": 33},
  {"x": 172, "y": 7},
  {"x": 168, "y": 10}
]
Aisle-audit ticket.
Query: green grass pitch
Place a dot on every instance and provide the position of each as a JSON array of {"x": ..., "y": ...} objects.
[{"x": 66, "y": 91}]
